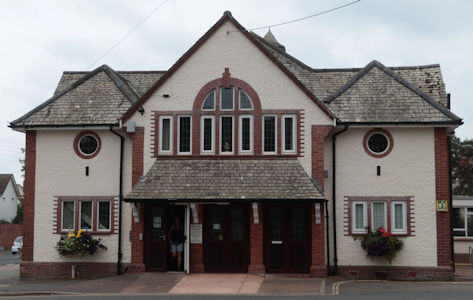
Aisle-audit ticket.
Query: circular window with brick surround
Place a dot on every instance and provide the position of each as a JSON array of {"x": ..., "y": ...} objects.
[
  {"x": 87, "y": 144},
  {"x": 378, "y": 142}
]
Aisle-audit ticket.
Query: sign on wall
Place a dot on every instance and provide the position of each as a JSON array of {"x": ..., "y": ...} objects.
[
  {"x": 442, "y": 205},
  {"x": 196, "y": 233}
]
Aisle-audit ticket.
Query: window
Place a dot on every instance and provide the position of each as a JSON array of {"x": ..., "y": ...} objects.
[
  {"x": 209, "y": 102},
  {"x": 88, "y": 145},
  {"x": 289, "y": 133},
  {"x": 463, "y": 221},
  {"x": 207, "y": 133},
  {"x": 245, "y": 101},
  {"x": 246, "y": 133},
  {"x": 378, "y": 215},
  {"x": 226, "y": 134},
  {"x": 85, "y": 214},
  {"x": 185, "y": 135},
  {"x": 227, "y": 98},
  {"x": 269, "y": 134},
  {"x": 359, "y": 217},
  {"x": 103, "y": 215},
  {"x": 398, "y": 217},
  {"x": 165, "y": 134},
  {"x": 68, "y": 215}
]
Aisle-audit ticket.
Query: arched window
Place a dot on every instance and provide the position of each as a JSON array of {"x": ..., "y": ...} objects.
[
  {"x": 209, "y": 102},
  {"x": 245, "y": 101}
]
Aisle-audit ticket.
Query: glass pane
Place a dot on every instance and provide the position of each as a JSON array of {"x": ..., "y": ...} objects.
[
  {"x": 398, "y": 216},
  {"x": 227, "y": 134},
  {"x": 245, "y": 101},
  {"x": 378, "y": 215},
  {"x": 216, "y": 222},
  {"x": 86, "y": 214},
  {"x": 359, "y": 216},
  {"x": 459, "y": 233},
  {"x": 227, "y": 98},
  {"x": 458, "y": 217},
  {"x": 88, "y": 144},
  {"x": 245, "y": 134},
  {"x": 209, "y": 102},
  {"x": 288, "y": 132},
  {"x": 68, "y": 215},
  {"x": 298, "y": 224},
  {"x": 469, "y": 224},
  {"x": 104, "y": 215},
  {"x": 377, "y": 143},
  {"x": 208, "y": 134},
  {"x": 269, "y": 134},
  {"x": 470, "y": 210},
  {"x": 166, "y": 134},
  {"x": 237, "y": 216},
  {"x": 277, "y": 223},
  {"x": 157, "y": 231},
  {"x": 184, "y": 134}
]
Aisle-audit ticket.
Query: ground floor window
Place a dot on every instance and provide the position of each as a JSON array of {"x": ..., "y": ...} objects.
[
  {"x": 88, "y": 214},
  {"x": 463, "y": 221}
]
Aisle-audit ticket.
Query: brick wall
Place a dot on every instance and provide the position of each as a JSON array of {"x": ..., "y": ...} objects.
[
  {"x": 256, "y": 243},
  {"x": 29, "y": 196},
  {"x": 8, "y": 233},
  {"x": 318, "y": 267},
  {"x": 319, "y": 133},
  {"x": 442, "y": 191}
]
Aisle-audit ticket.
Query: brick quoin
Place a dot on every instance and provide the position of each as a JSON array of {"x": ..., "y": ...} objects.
[
  {"x": 442, "y": 191},
  {"x": 137, "y": 139},
  {"x": 256, "y": 243},
  {"x": 29, "y": 196},
  {"x": 319, "y": 133},
  {"x": 196, "y": 257},
  {"x": 318, "y": 267}
]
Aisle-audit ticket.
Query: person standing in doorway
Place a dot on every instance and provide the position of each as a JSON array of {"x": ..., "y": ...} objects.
[{"x": 176, "y": 241}]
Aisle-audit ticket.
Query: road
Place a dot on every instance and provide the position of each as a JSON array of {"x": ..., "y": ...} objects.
[{"x": 6, "y": 258}]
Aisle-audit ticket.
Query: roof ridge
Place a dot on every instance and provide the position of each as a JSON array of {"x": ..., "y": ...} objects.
[
  {"x": 123, "y": 85},
  {"x": 400, "y": 80},
  {"x": 129, "y": 72}
]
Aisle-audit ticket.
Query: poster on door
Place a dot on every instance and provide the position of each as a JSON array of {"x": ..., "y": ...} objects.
[
  {"x": 157, "y": 222},
  {"x": 196, "y": 234}
]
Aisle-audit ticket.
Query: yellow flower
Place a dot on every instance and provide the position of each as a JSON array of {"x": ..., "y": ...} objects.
[
  {"x": 71, "y": 234},
  {"x": 79, "y": 233}
]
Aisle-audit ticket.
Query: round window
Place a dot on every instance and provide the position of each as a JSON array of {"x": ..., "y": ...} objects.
[
  {"x": 378, "y": 143},
  {"x": 88, "y": 144}
]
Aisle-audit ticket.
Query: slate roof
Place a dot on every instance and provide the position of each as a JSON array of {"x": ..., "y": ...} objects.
[
  {"x": 4, "y": 180},
  {"x": 212, "y": 179}
]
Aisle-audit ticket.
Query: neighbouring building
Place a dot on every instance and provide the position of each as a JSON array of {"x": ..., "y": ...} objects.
[
  {"x": 271, "y": 165},
  {"x": 463, "y": 228},
  {"x": 10, "y": 196}
]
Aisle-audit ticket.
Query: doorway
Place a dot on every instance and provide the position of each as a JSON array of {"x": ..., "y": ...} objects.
[
  {"x": 226, "y": 238},
  {"x": 176, "y": 212},
  {"x": 287, "y": 240}
]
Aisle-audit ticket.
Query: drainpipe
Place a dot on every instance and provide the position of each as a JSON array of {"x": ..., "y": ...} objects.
[
  {"x": 120, "y": 198},
  {"x": 335, "y": 257},
  {"x": 327, "y": 234},
  {"x": 450, "y": 200}
]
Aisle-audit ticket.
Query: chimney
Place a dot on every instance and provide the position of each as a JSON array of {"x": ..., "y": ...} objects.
[{"x": 269, "y": 37}]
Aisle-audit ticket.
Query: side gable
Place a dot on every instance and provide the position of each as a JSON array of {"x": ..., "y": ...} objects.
[
  {"x": 378, "y": 95},
  {"x": 226, "y": 17}
]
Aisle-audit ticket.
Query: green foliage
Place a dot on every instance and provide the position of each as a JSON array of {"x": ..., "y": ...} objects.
[
  {"x": 381, "y": 243},
  {"x": 22, "y": 162},
  {"x": 19, "y": 215},
  {"x": 462, "y": 166},
  {"x": 80, "y": 243},
  {"x": 2, "y": 221}
]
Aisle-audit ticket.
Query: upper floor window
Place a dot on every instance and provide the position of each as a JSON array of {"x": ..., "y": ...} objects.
[
  {"x": 87, "y": 144},
  {"x": 245, "y": 101},
  {"x": 185, "y": 134},
  {"x": 165, "y": 134},
  {"x": 269, "y": 134},
  {"x": 209, "y": 102},
  {"x": 227, "y": 97}
]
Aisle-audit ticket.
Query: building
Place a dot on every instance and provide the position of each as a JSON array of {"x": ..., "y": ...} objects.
[
  {"x": 9, "y": 197},
  {"x": 273, "y": 166},
  {"x": 463, "y": 228}
]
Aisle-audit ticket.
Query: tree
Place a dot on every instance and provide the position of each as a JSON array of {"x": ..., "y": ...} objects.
[
  {"x": 462, "y": 166},
  {"x": 22, "y": 162},
  {"x": 19, "y": 215}
]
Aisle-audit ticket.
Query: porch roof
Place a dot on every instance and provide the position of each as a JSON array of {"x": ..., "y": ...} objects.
[{"x": 229, "y": 179}]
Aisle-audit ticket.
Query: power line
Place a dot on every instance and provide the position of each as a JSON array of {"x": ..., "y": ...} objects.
[
  {"x": 304, "y": 18},
  {"x": 128, "y": 33}
]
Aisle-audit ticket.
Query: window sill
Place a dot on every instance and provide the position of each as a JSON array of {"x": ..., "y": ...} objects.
[
  {"x": 109, "y": 232},
  {"x": 463, "y": 239}
]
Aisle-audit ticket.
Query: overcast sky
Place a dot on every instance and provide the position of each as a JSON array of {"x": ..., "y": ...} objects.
[{"x": 41, "y": 39}]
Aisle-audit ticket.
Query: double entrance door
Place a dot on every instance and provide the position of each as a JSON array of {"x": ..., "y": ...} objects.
[
  {"x": 287, "y": 238},
  {"x": 226, "y": 238}
]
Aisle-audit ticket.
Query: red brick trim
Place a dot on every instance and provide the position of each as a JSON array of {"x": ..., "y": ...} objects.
[
  {"x": 378, "y": 130},
  {"x": 396, "y": 273},
  {"x": 319, "y": 133},
  {"x": 462, "y": 258},
  {"x": 137, "y": 244},
  {"x": 82, "y": 134},
  {"x": 442, "y": 191},
  {"x": 410, "y": 205},
  {"x": 29, "y": 196},
  {"x": 57, "y": 213},
  {"x": 318, "y": 267},
  {"x": 196, "y": 255},
  {"x": 256, "y": 266},
  {"x": 137, "y": 139}
]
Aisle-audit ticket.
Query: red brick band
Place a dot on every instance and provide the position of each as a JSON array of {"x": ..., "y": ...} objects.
[{"x": 29, "y": 196}]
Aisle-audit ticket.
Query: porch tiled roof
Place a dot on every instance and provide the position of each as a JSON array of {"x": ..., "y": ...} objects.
[{"x": 229, "y": 179}]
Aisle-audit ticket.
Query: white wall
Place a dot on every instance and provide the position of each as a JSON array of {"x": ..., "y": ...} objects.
[{"x": 8, "y": 203}]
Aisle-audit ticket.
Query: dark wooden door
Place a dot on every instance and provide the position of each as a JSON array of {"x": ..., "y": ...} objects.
[
  {"x": 287, "y": 238},
  {"x": 226, "y": 238},
  {"x": 155, "y": 239}
]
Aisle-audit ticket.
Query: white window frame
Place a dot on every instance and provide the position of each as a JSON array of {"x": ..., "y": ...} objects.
[
  {"x": 294, "y": 133},
  {"x": 205, "y": 98},
  {"x": 239, "y": 100},
  {"x": 73, "y": 216},
  {"x": 465, "y": 224},
  {"x": 171, "y": 127},
  {"x": 385, "y": 215},
  {"x": 212, "y": 145},
  {"x": 275, "y": 134},
  {"x": 91, "y": 215},
  {"x": 240, "y": 134},
  {"x": 221, "y": 99},
  {"x": 179, "y": 135},
  {"x": 353, "y": 217},
  {"x": 233, "y": 135},
  {"x": 393, "y": 219},
  {"x": 109, "y": 215}
]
